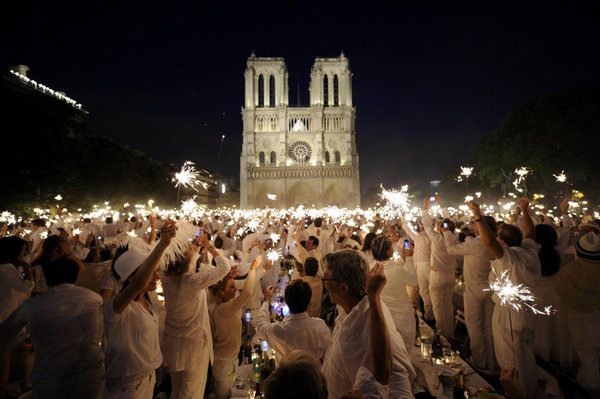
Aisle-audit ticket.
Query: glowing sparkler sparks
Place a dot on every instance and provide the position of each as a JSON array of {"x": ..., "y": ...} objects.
[
  {"x": 272, "y": 197},
  {"x": 58, "y": 197},
  {"x": 76, "y": 232},
  {"x": 44, "y": 235},
  {"x": 253, "y": 224},
  {"x": 521, "y": 172},
  {"x": 132, "y": 234},
  {"x": 396, "y": 198},
  {"x": 187, "y": 176},
  {"x": 396, "y": 256},
  {"x": 515, "y": 296},
  {"x": 187, "y": 207},
  {"x": 274, "y": 254},
  {"x": 561, "y": 178},
  {"x": 466, "y": 171},
  {"x": 275, "y": 237}
]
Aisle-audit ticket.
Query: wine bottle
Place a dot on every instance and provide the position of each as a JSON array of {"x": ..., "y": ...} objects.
[
  {"x": 460, "y": 392},
  {"x": 417, "y": 330},
  {"x": 436, "y": 345}
]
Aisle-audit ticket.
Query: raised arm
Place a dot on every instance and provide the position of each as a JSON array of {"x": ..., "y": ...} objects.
[
  {"x": 527, "y": 222},
  {"x": 487, "y": 236},
  {"x": 379, "y": 338},
  {"x": 146, "y": 270}
]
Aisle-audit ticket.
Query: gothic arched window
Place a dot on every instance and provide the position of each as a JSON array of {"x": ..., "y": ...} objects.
[
  {"x": 337, "y": 157},
  {"x": 273, "y": 158},
  {"x": 336, "y": 96},
  {"x": 272, "y": 91},
  {"x": 325, "y": 91},
  {"x": 327, "y": 159},
  {"x": 261, "y": 91},
  {"x": 261, "y": 158}
]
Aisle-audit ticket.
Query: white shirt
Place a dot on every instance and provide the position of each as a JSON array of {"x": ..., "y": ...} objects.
[
  {"x": 523, "y": 266},
  {"x": 398, "y": 276},
  {"x": 132, "y": 342},
  {"x": 14, "y": 289},
  {"x": 477, "y": 258},
  {"x": 66, "y": 327},
  {"x": 187, "y": 312},
  {"x": 296, "y": 331},
  {"x": 422, "y": 245},
  {"x": 349, "y": 349},
  {"x": 441, "y": 260}
]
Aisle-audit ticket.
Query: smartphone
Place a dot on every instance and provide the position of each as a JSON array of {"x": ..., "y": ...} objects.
[
  {"x": 431, "y": 198},
  {"x": 285, "y": 310},
  {"x": 407, "y": 245},
  {"x": 445, "y": 225},
  {"x": 248, "y": 316}
]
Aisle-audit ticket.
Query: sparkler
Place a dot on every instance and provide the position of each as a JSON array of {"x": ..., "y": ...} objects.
[
  {"x": 396, "y": 198},
  {"x": 275, "y": 237},
  {"x": 58, "y": 197},
  {"x": 517, "y": 297},
  {"x": 466, "y": 171},
  {"x": 187, "y": 176},
  {"x": 561, "y": 177},
  {"x": 272, "y": 197},
  {"x": 253, "y": 225},
  {"x": 274, "y": 254},
  {"x": 521, "y": 172},
  {"x": 189, "y": 206}
]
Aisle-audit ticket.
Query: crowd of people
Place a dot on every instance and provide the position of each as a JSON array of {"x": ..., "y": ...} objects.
[{"x": 352, "y": 291}]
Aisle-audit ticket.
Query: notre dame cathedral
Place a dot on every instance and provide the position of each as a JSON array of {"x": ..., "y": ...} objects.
[{"x": 298, "y": 155}]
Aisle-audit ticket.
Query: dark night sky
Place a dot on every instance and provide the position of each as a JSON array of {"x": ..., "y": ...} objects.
[{"x": 428, "y": 78}]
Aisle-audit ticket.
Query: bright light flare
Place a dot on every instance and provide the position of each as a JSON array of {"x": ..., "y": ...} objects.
[
  {"x": 275, "y": 237},
  {"x": 272, "y": 197}
]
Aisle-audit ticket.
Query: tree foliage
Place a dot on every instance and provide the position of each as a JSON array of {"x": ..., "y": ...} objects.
[{"x": 554, "y": 132}]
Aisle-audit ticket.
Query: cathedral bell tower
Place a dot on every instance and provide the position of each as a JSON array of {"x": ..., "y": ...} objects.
[{"x": 298, "y": 155}]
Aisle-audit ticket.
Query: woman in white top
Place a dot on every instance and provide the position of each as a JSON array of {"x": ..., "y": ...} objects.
[
  {"x": 187, "y": 333},
  {"x": 394, "y": 295},
  {"x": 133, "y": 351},
  {"x": 14, "y": 289},
  {"x": 227, "y": 327}
]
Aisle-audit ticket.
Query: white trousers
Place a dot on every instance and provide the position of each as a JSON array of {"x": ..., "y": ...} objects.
[
  {"x": 441, "y": 285},
  {"x": 224, "y": 372},
  {"x": 190, "y": 383},
  {"x": 405, "y": 324},
  {"x": 515, "y": 351},
  {"x": 478, "y": 318},
  {"x": 131, "y": 388},
  {"x": 423, "y": 270}
]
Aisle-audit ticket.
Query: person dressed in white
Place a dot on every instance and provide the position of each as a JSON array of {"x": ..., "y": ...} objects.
[
  {"x": 66, "y": 327},
  {"x": 441, "y": 277},
  {"x": 296, "y": 331},
  {"x": 345, "y": 278},
  {"x": 225, "y": 315},
  {"x": 133, "y": 351},
  {"x": 578, "y": 285},
  {"x": 185, "y": 340},
  {"x": 517, "y": 256},
  {"x": 399, "y": 275},
  {"x": 478, "y": 304}
]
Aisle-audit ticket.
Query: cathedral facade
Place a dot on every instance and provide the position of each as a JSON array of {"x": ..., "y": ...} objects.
[{"x": 298, "y": 155}]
